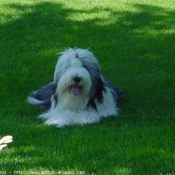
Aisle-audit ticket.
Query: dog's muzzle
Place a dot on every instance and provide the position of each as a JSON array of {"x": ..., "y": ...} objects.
[{"x": 76, "y": 87}]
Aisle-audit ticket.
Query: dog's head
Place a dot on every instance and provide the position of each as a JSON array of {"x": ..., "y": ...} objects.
[{"x": 78, "y": 73}]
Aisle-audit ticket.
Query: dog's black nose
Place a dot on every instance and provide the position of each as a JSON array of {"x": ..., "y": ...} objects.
[{"x": 77, "y": 79}]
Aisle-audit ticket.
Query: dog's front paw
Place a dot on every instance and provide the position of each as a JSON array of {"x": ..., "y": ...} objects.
[{"x": 92, "y": 118}]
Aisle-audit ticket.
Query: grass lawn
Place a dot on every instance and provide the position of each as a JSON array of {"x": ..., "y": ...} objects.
[{"x": 134, "y": 42}]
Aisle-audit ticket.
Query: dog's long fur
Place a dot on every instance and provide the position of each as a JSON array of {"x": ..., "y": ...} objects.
[{"x": 79, "y": 93}]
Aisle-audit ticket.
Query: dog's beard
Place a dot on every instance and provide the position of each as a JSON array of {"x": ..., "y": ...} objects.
[{"x": 74, "y": 99}]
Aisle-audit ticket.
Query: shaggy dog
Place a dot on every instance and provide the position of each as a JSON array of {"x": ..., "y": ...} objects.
[{"x": 79, "y": 93}]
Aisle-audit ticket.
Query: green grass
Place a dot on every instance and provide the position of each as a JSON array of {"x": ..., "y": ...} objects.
[{"x": 134, "y": 43}]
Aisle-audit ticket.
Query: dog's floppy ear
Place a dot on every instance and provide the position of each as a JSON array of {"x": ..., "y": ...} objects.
[
  {"x": 96, "y": 93},
  {"x": 98, "y": 86}
]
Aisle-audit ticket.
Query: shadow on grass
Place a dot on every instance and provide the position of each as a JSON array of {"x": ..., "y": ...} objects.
[{"x": 136, "y": 51}]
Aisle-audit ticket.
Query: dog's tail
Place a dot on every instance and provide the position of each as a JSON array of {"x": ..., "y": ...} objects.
[
  {"x": 117, "y": 93},
  {"x": 42, "y": 96}
]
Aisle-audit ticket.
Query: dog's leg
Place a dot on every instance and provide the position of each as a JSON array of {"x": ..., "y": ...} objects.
[{"x": 68, "y": 117}]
